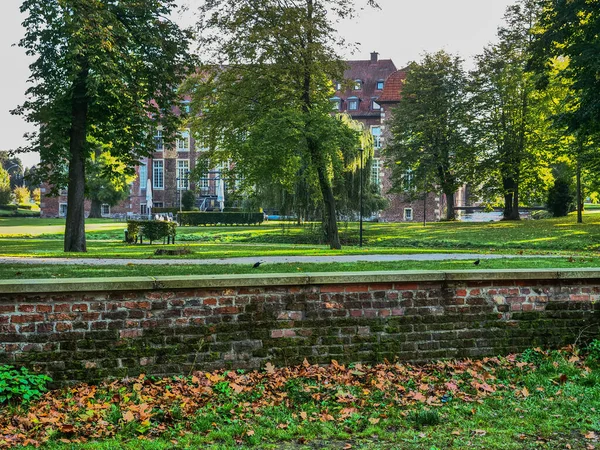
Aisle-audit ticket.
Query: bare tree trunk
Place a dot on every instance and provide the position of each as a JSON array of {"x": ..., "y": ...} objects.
[
  {"x": 75, "y": 223},
  {"x": 511, "y": 200},
  {"x": 95, "y": 210}
]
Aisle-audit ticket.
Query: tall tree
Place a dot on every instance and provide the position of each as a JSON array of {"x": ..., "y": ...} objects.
[
  {"x": 429, "y": 128},
  {"x": 106, "y": 72},
  {"x": 505, "y": 105},
  {"x": 13, "y": 166},
  {"x": 268, "y": 110}
]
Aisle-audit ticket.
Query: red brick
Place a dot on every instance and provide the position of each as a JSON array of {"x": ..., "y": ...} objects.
[
  {"x": 227, "y": 310},
  {"x": 289, "y": 333},
  {"x": 516, "y": 307},
  {"x": 43, "y": 308},
  {"x": 80, "y": 307},
  {"x": 27, "y": 318},
  {"x": 406, "y": 286},
  {"x": 397, "y": 312},
  {"x": 138, "y": 305},
  {"x": 332, "y": 288},
  {"x": 210, "y": 301},
  {"x": 63, "y": 307},
  {"x": 277, "y": 333},
  {"x": 356, "y": 288},
  {"x": 64, "y": 326},
  {"x": 528, "y": 307},
  {"x": 475, "y": 292},
  {"x": 580, "y": 298},
  {"x": 130, "y": 334},
  {"x": 7, "y": 308},
  {"x": 460, "y": 292},
  {"x": 26, "y": 308},
  {"x": 356, "y": 313},
  {"x": 381, "y": 287}
]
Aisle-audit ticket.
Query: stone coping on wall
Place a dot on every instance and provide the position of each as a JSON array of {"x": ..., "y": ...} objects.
[{"x": 108, "y": 284}]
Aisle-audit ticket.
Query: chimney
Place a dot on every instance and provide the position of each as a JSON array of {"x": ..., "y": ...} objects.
[{"x": 374, "y": 57}]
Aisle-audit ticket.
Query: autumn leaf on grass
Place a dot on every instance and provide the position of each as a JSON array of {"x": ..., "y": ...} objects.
[
  {"x": 67, "y": 428},
  {"x": 524, "y": 392},
  {"x": 374, "y": 420},
  {"x": 303, "y": 415},
  {"x": 270, "y": 368},
  {"x": 590, "y": 435},
  {"x": 479, "y": 432},
  {"x": 451, "y": 386},
  {"x": 128, "y": 417},
  {"x": 250, "y": 433},
  {"x": 418, "y": 397}
]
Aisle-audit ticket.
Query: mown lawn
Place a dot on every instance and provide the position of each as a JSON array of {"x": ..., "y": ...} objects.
[
  {"x": 536, "y": 400},
  {"x": 27, "y": 271},
  {"x": 562, "y": 234}
]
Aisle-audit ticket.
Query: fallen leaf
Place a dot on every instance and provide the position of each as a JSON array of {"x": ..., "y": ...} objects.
[
  {"x": 374, "y": 420},
  {"x": 128, "y": 417},
  {"x": 250, "y": 433},
  {"x": 270, "y": 368}
]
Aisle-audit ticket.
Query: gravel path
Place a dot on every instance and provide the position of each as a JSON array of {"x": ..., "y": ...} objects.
[{"x": 264, "y": 259}]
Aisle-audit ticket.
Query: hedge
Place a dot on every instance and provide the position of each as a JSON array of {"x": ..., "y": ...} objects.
[
  {"x": 153, "y": 230},
  {"x": 165, "y": 210},
  {"x": 9, "y": 207},
  {"x": 26, "y": 206},
  {"x": 219, "y": 218}
]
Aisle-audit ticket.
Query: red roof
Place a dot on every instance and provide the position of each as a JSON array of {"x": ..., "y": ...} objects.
[
  {"x": 393, "y": 87},
  {"x": 369, "y": 72}
]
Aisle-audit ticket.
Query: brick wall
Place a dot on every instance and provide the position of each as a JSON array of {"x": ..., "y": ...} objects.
[{"x": 88, "y": 330}]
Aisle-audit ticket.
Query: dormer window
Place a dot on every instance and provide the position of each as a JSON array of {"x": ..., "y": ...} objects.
[
  {"x": 353, "y": 104},
  {"x": 374, "y": 105},
  {"x": 357, "y": 85},
  {"x": 336, "y": 103},
  {"x": 380, "y": 85}
]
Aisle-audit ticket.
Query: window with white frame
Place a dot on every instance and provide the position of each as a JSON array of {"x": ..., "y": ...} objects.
[
  {"x": 374, "y": 105},
  {"x": 158, "y": 174},
  {"x": 158, "y": 140},
  {"x": 143, "y": 171},
  {"x": 338, "y": 86},
  {"x": 408, "y": 214},
  {"x": 183, "y": 170},
  {"x": 62, "y": 210},
  {"x": 143, "y": 208},
  {"x": 105, "y": 209},
  {"x": 157, "y": 204},
  {"x": 183, "y": 141},
  {"x": 357, "y": 85},
  {"x": 380, "y": 85},
  {"x": 377, "y": 139},
  {"x": 407, "y": 180},
  {"x": 352, "y": 104},
  {"x": 376, "y": 173}
]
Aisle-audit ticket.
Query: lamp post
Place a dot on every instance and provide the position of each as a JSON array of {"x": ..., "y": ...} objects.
[
  {"x": 360, "y": 212},
  {"x": 186, "y": 177}
]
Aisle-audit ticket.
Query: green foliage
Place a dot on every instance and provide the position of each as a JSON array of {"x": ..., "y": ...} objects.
[
  {"x": 22, "y": 195},
  {"x": 152, "y": 230},
  {"x": 173, "y": 211},
  {"x": 220, "y": 218},
  {"x": 5, "y": 192},
  {"x": 561, "y": 198},
  {"x": 188, "y": 200},
  {"x": 593, "y": 350},
  {"x": 430, "y": 145},
  {"x": 425, "y": 417},
  {"x": 104, "y": 76},
  {"x": 269, "y": 111},
  {"x": 20, "y": 385}
]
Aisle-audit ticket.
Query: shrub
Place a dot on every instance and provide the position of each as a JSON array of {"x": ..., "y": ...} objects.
[
  {"x": 561, "y": 198},
  {"x": 20, "y": 385},
  {"x": 22, "y": 195},
  {"x": 36, "y": 195},
  {"x": 220, "y": 218},
  {"x": 5, "y": 193},
  {"x": 188, "y": 199},
  {"x": 9, "y": 207},
  {"x": 153, "y": 230}
]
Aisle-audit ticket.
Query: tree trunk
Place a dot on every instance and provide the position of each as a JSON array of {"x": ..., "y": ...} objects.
[
  {"x": 330, "y": 218},
  {"x": 450, "y": 212},
  {"x": 579, "y": 196},
  {"x": 95, "y": 210},
  {"x": 75, "y": 223},
  {"x": 511, "y": 200}
]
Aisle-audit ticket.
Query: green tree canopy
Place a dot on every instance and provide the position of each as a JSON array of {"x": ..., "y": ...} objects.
[
  {"x": 105, "y": 72},
  {"x": 429, "y": 128},
  {"x": 268, "y": 109}
]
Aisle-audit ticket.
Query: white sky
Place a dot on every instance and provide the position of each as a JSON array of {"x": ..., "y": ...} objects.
[{"x": 402, "y": 30}]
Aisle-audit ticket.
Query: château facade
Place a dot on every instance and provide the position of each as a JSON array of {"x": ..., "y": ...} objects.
[{"x": 368, "y": 93}]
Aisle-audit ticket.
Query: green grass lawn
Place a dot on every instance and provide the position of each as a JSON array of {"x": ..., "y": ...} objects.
[
  {"x": 537, "y": 400},
  {"x": 563, "y": 236}
]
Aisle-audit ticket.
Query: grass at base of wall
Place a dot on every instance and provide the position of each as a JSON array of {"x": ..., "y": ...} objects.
[
  {"x": 31, "y": 271},
  {"x": 537, "y": 400}
]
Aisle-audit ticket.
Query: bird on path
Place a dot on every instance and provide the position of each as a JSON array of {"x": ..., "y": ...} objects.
[
  {"x": 257, "y": 264},
  {"x": 476, "y": 262}
]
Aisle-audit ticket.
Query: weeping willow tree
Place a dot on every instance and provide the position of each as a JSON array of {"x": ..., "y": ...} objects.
[{"x": 262, "y": 99}]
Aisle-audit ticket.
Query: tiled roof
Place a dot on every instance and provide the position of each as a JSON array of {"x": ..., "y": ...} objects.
[
  {"x": 369, "y": 72},
  {"x": 393, "y": 87}
]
